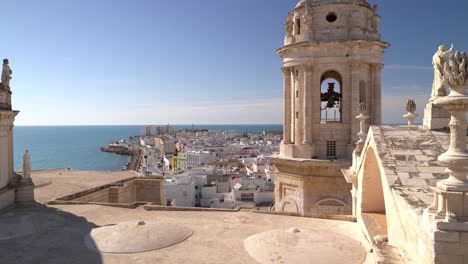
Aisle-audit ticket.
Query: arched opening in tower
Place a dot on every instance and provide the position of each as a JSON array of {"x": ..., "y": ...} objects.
[{"x": 331, "y": 97}]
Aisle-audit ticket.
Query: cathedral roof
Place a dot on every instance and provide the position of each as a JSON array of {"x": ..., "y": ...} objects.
[{"x": 326, "y": 2}]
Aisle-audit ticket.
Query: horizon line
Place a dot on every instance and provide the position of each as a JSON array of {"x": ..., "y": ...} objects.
[{"x": 153, "y": 125}]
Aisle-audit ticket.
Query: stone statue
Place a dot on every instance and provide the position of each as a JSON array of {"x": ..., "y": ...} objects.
[
  {"x": 307, "y": 18},
  {"x": 375, "y": 18},
  {"x": 289, "y": 25},
  {"x": 6, "y": 74},
  {"x": 438, "y": 61},
  {"x": 26, "y": 165}
]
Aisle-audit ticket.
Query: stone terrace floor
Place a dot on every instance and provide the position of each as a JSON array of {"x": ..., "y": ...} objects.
[{"x": 55, "y": 234}]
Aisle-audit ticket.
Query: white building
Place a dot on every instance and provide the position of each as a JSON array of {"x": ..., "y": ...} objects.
[
  {"x": 198, "y": 158},
  {"x": 180, "y": 191}
]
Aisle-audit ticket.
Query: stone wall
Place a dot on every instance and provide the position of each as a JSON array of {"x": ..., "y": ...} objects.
[
  {"x": 100, "y": 196},
  {"x": 146, "y": 190},
  {"x": 311, "y": 187},
  {"x": 149, "y": 191}
]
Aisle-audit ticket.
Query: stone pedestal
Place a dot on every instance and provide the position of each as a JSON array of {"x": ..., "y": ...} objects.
[
  {"x": 306, "y": 186},
  {"x": 25, "y": 193},
  {"x": 435, "y": 117}
]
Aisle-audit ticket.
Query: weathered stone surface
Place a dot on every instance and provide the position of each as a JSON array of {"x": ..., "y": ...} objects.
[
  {"x": 442, "y": 236},
  {"x": 145, "y": 236},
  {"x": 285, "y": 246}
]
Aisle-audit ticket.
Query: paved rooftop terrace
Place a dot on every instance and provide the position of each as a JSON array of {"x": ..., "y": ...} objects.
[{"x": 55, "y": 234}]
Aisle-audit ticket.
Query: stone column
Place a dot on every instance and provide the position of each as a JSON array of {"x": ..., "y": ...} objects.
[
  {"x": 377, "y": 94},
  {"x": 307, "y": 104},
  {"x": 6, "y": 147},
  {"x": 354, "y": 104},
  {"x": 297, "y": 110},
  {"x": 287, "y": 106}
]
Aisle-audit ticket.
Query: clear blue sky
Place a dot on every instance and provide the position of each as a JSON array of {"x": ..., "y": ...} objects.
[{"x": 89, "y": 62}]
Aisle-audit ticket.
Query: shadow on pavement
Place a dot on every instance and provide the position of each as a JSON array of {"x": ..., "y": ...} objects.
[{"x": 45, "y": 235}]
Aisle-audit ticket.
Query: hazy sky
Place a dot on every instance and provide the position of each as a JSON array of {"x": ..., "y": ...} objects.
[{"x": 203, "y": 61}]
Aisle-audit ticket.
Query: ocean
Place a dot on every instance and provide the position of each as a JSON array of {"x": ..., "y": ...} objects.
[{"x": 77, "y": 147}]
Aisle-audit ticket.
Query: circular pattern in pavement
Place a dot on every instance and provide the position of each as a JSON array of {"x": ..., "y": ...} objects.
[
  {"x": 304, "y": 246},
  {"x": 135, "y": 237}
]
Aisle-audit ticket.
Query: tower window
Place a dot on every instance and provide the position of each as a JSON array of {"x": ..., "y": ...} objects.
[
  {"x": 331, "y": 97},
  {"x": 297, "y": 94},
  {"x": 331, "y": 17},
  {"x": 298, "y": 26},
  {"x": 297, "y": 114},
  {"x": 331, "y": 149}
]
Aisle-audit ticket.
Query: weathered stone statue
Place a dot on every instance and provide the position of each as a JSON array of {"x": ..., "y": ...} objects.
[
  {"x": 375, "y": 18},
  {"x": 26, "y": 165},
  {"x": 289, "y": 25},
  {"x": 307, "y": 18},
  {"x": 6, "y": 74},
  {"x": 438, "y": 61}
]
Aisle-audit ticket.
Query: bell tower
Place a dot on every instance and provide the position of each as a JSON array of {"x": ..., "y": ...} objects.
[{"x": 332, "y": 61}]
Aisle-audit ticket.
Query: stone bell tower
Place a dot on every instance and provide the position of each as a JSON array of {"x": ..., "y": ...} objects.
[
  {"x": 14, "y": 189},
  {"x": 332, "y": 61}
]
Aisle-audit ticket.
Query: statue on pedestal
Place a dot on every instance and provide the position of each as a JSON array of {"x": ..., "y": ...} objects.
[
  {"x": 289, "y": 25},
  {"x": 375, "y": 18},
  {"x": 307, "y": 18},
  {"x": 438, "y": 61},
  {"x": 6, "y": 74},
  {"x": 26, "y": 165}
]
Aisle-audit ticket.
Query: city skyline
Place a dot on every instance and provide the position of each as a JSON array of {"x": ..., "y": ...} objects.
[{"x": 204, "y": 62}]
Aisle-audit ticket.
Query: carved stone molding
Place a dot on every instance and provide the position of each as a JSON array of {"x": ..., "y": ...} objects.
[
  {"x": 307, "y": 68},
  {"x": 355, "y": 66},
  {"x": 286, "y": 70},
  {"x": 378, "y": 66}
]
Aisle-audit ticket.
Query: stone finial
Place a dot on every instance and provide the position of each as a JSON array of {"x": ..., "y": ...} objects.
[
  {"x": 362, "y": 108},
  {"x": 448, "y": 206},
  {"x": 456, "y": 71},
  {"x": 410, "y": 108},
  {"x": 362, "y": 135}
]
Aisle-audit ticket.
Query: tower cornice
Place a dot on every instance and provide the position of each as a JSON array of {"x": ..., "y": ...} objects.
[{"x": 304, "y": 44}]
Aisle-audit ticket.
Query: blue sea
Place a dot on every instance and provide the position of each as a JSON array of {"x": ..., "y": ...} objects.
[{"x": 77, "y": 147}]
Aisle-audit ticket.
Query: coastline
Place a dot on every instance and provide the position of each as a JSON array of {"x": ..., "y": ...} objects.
[{"x": 135, "y": 155}]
